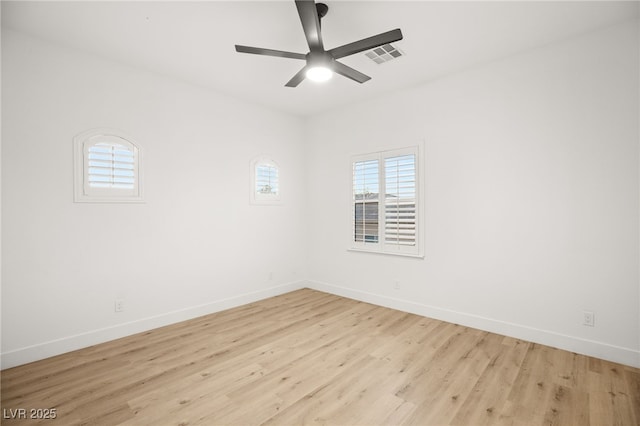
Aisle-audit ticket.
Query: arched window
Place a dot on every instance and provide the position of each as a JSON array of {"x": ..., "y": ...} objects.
[
  {"x": 265, "y": 178},
  {"x": 107, "y": 167}
]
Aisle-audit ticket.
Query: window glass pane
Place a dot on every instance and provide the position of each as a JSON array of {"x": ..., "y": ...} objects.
[
  {"x": 266, "y": 179},
  {"x": 365, "y": 179},
  {"x": 365, "y": 201}
]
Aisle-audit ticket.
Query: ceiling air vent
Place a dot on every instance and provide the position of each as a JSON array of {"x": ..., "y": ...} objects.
[{"x": 383, "y": 54}]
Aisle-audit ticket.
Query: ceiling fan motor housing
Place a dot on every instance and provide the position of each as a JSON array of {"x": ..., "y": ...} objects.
[{"x": 320, "y": 59}]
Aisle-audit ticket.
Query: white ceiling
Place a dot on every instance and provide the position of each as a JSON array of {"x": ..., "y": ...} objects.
[{"x": 194, "y": 41}]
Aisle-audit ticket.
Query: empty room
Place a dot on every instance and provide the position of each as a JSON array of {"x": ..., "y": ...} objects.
[{"x": 335, "y": 212}]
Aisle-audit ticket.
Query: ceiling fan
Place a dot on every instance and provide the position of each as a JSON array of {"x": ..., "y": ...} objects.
[{"x": 321, "y": 63}]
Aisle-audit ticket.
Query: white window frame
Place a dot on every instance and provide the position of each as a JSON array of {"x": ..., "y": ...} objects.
[
  {"x": 85, "y": 193},
  {"x": 381, "y": 246},
  {"x": 256, "y": 196}
]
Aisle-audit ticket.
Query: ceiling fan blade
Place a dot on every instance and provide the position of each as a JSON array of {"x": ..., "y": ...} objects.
[
  {"x": 349, "y": 72},
  {"x": 310, "y": 24},
  {"x": 366, "y": 44},
  {"x": 269, "y": 52},
  {"x": 297, "y": 79}
]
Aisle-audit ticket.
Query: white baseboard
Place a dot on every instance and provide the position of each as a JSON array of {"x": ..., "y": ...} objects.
[
  {"x": 44, "y": 350},
  {"x": 93, "y": 337},
  {"x": 600, "y": 350}
]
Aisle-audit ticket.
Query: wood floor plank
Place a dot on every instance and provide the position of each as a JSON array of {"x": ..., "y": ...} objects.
[{"x": 308, "y": 357}]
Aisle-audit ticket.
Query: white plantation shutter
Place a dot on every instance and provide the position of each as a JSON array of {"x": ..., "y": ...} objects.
[
  {"x": 385, "y": 202},
  {"x": 107, "y": 167},
  {"x": 111, "y": 166},
  {"x": 400, "y": 200}
]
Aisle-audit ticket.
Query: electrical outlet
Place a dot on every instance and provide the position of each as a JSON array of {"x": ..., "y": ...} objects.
[
  {"x": 589, "y": 318},
  {"x": 119, "y": 305},
  {"x": 396, "y": 285}
]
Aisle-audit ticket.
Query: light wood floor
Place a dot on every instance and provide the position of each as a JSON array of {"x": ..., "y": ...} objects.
[{"x": 310, "y": 357}]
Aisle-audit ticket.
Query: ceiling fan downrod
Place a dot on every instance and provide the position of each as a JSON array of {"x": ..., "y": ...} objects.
[{"x": 322, "y": 10}]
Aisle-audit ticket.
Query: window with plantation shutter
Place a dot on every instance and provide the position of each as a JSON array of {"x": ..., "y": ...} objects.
[
  {"x": 107, "y": 167},
  {"x": 385, "y": 202}
]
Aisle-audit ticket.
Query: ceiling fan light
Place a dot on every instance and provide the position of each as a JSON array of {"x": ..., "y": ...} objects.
[{"x": 319, "y": 74}]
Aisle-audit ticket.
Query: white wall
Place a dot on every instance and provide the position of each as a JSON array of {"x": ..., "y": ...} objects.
[
  {"x": 531, "y": 196},
  {"x": 195, "y": 246}
]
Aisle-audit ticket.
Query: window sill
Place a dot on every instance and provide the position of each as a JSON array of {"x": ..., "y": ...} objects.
[
  {"x": 113, "y": 200},
  {"x": 415, "y": 256}
]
